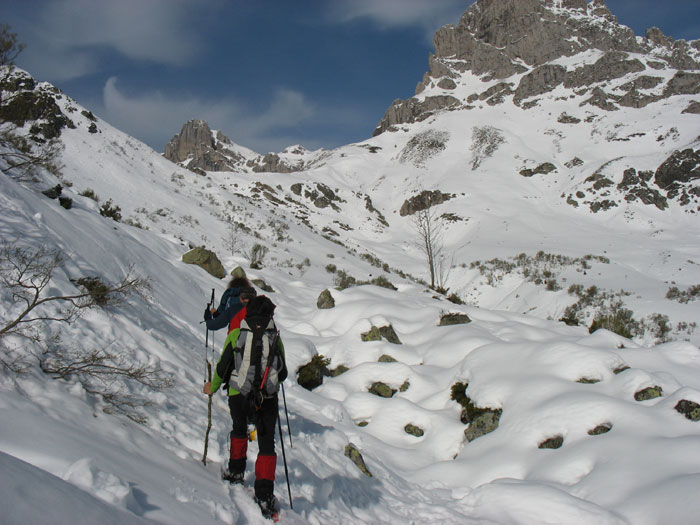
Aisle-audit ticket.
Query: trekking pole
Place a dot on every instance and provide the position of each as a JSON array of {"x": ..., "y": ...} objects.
[
  {"x": 208, "y": 378},
  {"x": 284, "y": 457},
  {"x": 286, "y": 414}
]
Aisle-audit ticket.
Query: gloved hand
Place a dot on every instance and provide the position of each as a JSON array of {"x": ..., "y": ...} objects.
[{"x": 207, "y": 314}]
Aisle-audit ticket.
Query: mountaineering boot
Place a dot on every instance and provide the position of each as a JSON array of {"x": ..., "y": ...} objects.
[
  {"x": 237, "y": 460},
  {"x": 234, "y": 478},
  {"x": 269, "y": 507}
]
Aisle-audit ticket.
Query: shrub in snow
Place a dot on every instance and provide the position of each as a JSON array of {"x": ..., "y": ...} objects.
[
  {"x": 114, "y": 212},
  {"x": 588, "y": 381},
  {"x": 53, "y": 193},
  {"x": 553, "y": 442},
  {"x": 683, "y": 296},
  {"x": 385, "y": 358},
  {"x": 257, "y": 256},
  {"x": 90, "y": 194},
  {"x": 413, "y": 430},
  {"x": 423, "y": 146},
  {"x": 485, "y": 141},
  {"x": 312, "y": 373},
  {"x": 689, "y": 409},
  {"x": 66, "y": 202},
  {"x": 355, "y": 456},
  {"x": 325, "y": 300},
  {"x": 454, "y": 318},
  {"x": 650, "y": 392},
  {"x": 620, "y": 321},
  {"x": 377, "y": 333}
]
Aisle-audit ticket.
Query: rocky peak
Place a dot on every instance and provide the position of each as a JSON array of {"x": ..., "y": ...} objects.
[
  {"x": 201, "y": 149},
  {"x": 499, "y": 38},
  {"x": 521, "y": 42}
]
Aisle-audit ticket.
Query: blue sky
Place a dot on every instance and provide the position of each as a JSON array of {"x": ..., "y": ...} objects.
[{"x": 268, "y": 73}]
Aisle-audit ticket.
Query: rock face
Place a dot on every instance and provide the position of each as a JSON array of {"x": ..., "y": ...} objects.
[
  {"x": 200, "y": 149},
  {"x": 496, "y": 39}
]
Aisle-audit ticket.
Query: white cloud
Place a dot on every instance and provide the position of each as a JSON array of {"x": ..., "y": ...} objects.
[
  {"x": 71, "y": 36},
  {"x": 155, "y": 117},
  {"x": 427, "y": 14}
]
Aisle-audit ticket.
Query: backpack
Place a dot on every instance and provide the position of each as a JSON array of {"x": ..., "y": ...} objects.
[{"x": 258, "y": 365}]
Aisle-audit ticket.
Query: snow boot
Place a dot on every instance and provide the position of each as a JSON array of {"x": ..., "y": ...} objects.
[
  {"x": 269, "y": 507},
  {"x": 234, "y": 478}
]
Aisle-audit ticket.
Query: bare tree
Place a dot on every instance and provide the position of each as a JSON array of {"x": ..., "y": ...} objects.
[
  {"x": 26, "y": 273},
  {"x": 429, "y": 227},
  {"x": 100, "y": 373}
]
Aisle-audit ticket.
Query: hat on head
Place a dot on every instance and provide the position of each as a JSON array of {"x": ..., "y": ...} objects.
[
  {"x": 260, "y": 306},
  {"x": 247, "y": 293},
  {"x": 238, "y": 273}
]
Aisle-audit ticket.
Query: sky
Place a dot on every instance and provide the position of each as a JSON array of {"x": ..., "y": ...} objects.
[{"x": 268, "y": 74}]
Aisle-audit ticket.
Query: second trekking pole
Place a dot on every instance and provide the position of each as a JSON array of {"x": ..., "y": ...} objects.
[{"x": 208, "y": 378}]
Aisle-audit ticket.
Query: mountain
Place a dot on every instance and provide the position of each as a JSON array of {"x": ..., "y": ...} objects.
[
  {"x": 200, "y": 149},
  {"x": 510, "y": 416}
]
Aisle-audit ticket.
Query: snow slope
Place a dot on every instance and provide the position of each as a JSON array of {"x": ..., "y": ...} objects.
[{"x": 65, "y": 458}]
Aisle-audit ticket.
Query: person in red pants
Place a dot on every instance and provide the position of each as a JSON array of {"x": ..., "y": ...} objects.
[{"x": 252, "y": 365}]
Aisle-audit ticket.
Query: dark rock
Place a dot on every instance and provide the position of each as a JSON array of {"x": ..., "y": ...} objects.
[
  {"x": 385, "y": 358},
  {"x": 382, "y": 390},
  {"x": 600, "y": 429},
  {"x": 325, "y": 300},
  {"x": 447, "y": 83},
  {"x": 414, "y": 110},
  {"x": 482, "y": 424},
  {"x": 573, "y": 163},
  {"x": 647, "y": 393},
  {"x": 565, "y": 118},
  {"x": 53, "y": 193},
  {"x": 541, "y": 80},
  {"x": 693, "y": 108},
  {"x": 312, "y": 373},
  {"x": 424, "y": 200},
  {"x": 689, "y": 409},
  {"x": 207, "y": 260},
  {"x": 683, "y": 83},
  {"x": 353, "y": 453},
  {"x": 612, "y": 65},
  {"x": 553, "y": 442},
  {"x": 413, "y": 430},
  {"x": 681, "y": 167},
  {"x": 377, "y": 333}
]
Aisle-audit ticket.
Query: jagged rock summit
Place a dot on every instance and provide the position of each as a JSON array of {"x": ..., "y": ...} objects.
[
  {"x": 201, "y": 149},
  {"x": 519, "y": 49}
]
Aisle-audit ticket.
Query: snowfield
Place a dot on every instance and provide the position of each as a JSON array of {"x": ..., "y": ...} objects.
[{"x": 621, "y": 458}]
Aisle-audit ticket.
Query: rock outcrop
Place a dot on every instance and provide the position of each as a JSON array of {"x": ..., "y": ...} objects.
[
  {"x": 197, "y": 147},
  {"x": 497, "y": 39},
  {"x": 200, "y": 149}
]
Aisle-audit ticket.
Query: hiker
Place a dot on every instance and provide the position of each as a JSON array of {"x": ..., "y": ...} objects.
[
  {"x": 230, "y": 304},
  {"x": 253, "y": 350}
]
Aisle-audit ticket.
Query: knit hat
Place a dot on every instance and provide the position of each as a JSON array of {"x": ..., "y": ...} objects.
[{"x": 238, "y": 273}]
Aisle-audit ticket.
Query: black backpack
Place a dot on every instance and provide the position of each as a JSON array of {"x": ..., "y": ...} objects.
[{"x": 257, "y": 366}]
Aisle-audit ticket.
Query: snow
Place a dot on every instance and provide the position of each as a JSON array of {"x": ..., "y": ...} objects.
[{"x": 64, "y": 458}]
